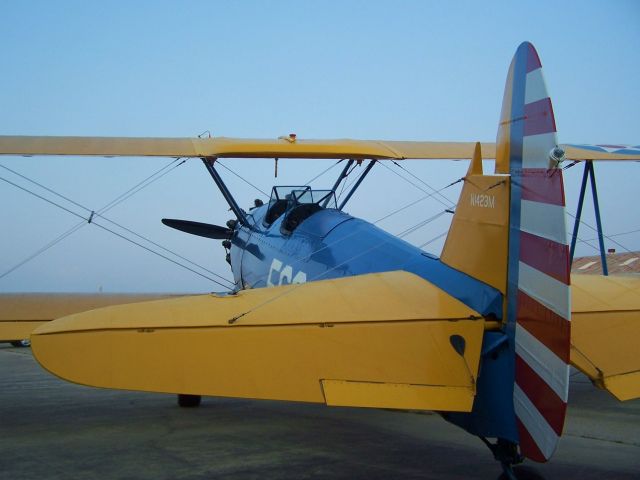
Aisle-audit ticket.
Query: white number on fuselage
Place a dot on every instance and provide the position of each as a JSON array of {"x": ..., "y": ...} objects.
[{"x": 281, "y": 274}]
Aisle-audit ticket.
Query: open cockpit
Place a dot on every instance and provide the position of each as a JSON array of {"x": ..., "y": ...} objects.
[{"x": 296, "y": 203}]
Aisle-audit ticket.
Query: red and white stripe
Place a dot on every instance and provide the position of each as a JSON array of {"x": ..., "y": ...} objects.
[{"x": 543, "y": 311}]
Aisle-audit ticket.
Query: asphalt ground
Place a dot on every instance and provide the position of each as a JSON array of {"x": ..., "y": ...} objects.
[{"x": 50, "y": 429}]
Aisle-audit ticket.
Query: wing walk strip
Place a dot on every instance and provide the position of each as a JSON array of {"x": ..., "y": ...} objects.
[{"x": 543, "y": 312}]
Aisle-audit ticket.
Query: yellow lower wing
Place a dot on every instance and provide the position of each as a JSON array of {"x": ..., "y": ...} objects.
[
  {"x": 22, "y": 313},
  {"x": 605, "y": 332},
  {"x": 380, "y": 340}
]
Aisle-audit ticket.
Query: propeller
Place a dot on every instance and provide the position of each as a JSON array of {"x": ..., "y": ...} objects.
[{"x": 201, "y": 229}]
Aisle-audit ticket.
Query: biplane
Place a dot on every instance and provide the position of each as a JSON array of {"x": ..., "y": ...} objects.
[{"x": 331, "y": 309}]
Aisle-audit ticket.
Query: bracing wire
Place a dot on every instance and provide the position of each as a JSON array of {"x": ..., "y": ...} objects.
[
  {"x": 347, "y": 182},
  {"x": 619, "y": 234},
  {"x": 608, "y": 237},
  {"x": 308, "y": 182},
  {"x": 447, "y": 200},
  {"x": 110, "y": 205},
  {"x": 447, "y": 203},
  {"x": 46, "y": 247},
  {"x": 421, "y": 199},
  {"x": 243, "y": 179},
  {"x": 139, "y": 186}
]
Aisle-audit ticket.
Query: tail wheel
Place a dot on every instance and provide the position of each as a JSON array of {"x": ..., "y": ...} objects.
[{"x": 189, "y": 401}]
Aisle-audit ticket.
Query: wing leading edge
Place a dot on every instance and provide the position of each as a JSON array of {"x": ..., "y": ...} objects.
[{"x": 380, "y": 340}]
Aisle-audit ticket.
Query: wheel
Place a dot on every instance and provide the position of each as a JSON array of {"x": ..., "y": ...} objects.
[
  {"x": 21, "y": 343},
  {"x": 189, "y": 401},
  {"x": 523, "y": 472}
]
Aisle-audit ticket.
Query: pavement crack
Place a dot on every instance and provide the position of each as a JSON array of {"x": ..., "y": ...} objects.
[{"x": 601, "y": 439}]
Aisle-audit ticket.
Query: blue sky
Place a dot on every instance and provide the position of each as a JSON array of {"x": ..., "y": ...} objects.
[{"x": 357, "y": 69}]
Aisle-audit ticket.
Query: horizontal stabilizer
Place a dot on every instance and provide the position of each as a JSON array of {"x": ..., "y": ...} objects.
[
  {"x": 393, "y": 329},
  {"x": 605, "y": 332}
]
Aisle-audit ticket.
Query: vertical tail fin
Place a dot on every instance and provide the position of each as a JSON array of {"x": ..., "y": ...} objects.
[
  {"x": 509, "y": 232},
  {"x": 537, "y": 302}
]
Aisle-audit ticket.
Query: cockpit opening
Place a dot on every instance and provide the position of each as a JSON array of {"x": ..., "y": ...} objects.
[{"x": 298, "y": 203}]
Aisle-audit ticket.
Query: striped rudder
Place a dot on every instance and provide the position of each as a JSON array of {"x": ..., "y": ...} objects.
[{"x": 538, "y": 304}]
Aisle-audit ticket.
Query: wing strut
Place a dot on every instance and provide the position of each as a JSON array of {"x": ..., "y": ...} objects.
[
  {"x": 355, "y": 187},
  {"x": 342, "y": 176},
  {"x": 589, "y": 171},
  {"x": 208, "y": 163}
]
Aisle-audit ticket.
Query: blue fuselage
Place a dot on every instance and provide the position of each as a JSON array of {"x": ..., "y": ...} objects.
[{"x": 330, "y": 244}]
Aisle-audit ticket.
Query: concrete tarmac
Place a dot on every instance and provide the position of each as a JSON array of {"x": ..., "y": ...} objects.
[{"x": 50, "y": 429}]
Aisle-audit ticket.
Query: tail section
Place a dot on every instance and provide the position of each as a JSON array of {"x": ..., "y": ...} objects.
[
  {"x": 509, "y": 231},
  {"x": 538, "y": 303}
]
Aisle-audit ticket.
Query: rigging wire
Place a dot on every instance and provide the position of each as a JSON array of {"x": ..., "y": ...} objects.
[
  {"x": 308, "y": 182},
  {"x": 608, "y": 237},
  {"x": 164, "y": 256},
  {"x": 143, "y": 184},
  {"x": 613, "y": 235},
  {"x": 46, "y": 247},
  {"x": 447, "y": 200},
  {"x": 447, "y": 203},
  {"x": 437, "y": 237},
  {"x": 110, "y": 205},
  {"x": 243, "y": 179},
  {"x": 421, "y": 199},
  {"x": 43, "y": 187},
  {"x": 136, "y": 188},
  {"x": 421, "y": 224},
  {"x": 347, "y": 182}
]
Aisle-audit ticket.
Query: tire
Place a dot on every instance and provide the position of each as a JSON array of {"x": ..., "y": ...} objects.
[
  {"x": 21, "y": 343},
  {"x": 189, "y": 401}
]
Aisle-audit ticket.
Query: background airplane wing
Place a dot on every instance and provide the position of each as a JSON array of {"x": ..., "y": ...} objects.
[
  {"x": 21, "y": 313},
  {"x": 388, "y": 340},
  {"x": 603, "y": 152},
  {"x": 605, "y": 328},
  {"x": 283, "y": 147}
]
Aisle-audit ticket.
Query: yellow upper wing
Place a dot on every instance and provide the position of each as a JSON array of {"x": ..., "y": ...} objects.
[
  {"x": 605, "y": 332},
  {"x": 284, "y": 147},
  {"x": 379, "y": 340}
]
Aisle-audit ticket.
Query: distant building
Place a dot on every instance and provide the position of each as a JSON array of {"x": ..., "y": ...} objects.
[{"x": 617, "y": 263}]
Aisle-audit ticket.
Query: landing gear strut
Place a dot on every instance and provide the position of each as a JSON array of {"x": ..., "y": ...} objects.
[
  {"x": 189, "y": 401},
  {"x": 507, "y": 454}
]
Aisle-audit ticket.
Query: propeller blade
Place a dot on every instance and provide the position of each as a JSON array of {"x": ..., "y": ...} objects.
[{"x": 201, "y": 229}]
